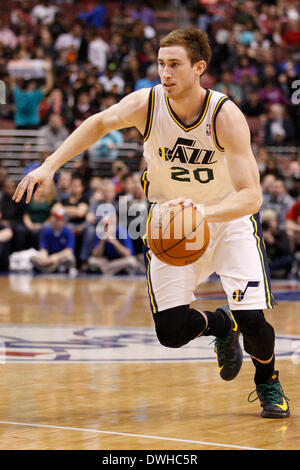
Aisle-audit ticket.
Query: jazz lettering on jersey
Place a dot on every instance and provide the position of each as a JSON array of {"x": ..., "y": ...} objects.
[{"x": 184, "y": 151}]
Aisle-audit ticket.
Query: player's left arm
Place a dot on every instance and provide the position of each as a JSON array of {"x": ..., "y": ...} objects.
[{"x": 234, "y": 135}]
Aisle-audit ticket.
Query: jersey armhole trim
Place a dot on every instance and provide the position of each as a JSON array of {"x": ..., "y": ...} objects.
[
  {"x": 150, "y": 113},
  {"x": 145, "y": 183},
  {"x": 214, "y": 118}
]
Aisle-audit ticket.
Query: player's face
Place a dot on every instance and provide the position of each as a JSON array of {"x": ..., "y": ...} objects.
[{"x": 178, "y": 76}]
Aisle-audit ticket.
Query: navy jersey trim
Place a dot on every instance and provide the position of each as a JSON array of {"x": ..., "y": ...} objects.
[
  {"x": 216, "y": 112},
  {"x": 198, "y": 120},
  {"x": 150, "y": 113}
]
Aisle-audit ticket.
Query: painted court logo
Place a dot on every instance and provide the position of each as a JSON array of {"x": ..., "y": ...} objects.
[
  {"x": 238, "y": 295},
  {"x": 101, "y": 344}
]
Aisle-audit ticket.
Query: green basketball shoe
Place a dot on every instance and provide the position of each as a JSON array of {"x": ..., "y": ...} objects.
[
  {"x": 273, "y": 401},
  {"x": 228, "y": 350}
]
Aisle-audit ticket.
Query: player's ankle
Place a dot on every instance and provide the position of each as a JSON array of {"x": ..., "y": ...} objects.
[{"x": 218, "y": 324}]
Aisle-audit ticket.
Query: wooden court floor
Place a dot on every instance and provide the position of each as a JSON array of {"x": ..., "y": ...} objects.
[{"x": 81, "y": 369}]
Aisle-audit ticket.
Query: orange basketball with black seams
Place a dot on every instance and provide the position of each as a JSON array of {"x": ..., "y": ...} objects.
[{"x": 177, "y": 235}]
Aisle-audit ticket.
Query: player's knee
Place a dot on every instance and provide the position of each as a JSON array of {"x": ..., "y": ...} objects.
[
  {"x": 250, "y": 322},
  {"x": 259, "y": 336},
  {"x": 170, "y": 326}
]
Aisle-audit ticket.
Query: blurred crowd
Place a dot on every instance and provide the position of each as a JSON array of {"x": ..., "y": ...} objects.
[{"x": 63, "y": 61}]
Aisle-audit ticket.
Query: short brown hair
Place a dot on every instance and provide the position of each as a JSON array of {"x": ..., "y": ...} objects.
[{"x": 194, "y": 40}]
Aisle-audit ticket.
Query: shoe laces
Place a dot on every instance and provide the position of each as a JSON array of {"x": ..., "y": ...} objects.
[
  {"x": 220, "y": 347},
  {"x": 269, "y": 393}
]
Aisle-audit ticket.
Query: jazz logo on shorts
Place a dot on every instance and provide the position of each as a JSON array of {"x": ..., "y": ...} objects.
[{"x": 238, "y": 295}]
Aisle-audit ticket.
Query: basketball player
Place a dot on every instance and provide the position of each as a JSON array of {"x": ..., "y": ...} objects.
[{"x": 197, "y": 145}]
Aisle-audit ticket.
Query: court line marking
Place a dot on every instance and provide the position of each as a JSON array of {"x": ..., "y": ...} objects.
[{"x": 125, "y": 434}]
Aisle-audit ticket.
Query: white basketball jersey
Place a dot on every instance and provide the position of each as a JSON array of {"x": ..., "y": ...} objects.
[{"x": 184, "y": 160}]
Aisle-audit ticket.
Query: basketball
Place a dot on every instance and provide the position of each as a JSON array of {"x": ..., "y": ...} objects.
[{"x": 177, "y": 235}]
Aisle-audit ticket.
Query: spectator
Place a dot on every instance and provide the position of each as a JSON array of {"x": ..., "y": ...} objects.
[
  {"x": 32, "y": 165},
  {"x": 37, "y": 213},
  {"x": 234, "y": 89},
  {"x": 58, "y": 26},
  {"x": 244, "y": 71},
  {"x": 63, "y": 185},
  {"x": 106, "y": 196},
  {"x": 150, "y": 80},
  {"x": 267, "y": 182},
  {"x": 3, "y": 177},
  {"x": 20, "y": 15},
  {"x": 261, "y": 157},
  {"x": 57, "y": 246},
  {"x": 118, "y": 49},
  {"x": 277, "y": 246},
  {"x": 7, "y": 36},
  {"x": 112, "y": 81},
  {"x": 293, "y": 225},
  {"x": 55, "y": 103},
  {"x": 98, "y": 51},
  {"x": 127, "y": 212},
  {"x": 27, "y": 100},
  {"x": 97, "y": 198},
  {"x": 6, "y": 235},
  {"x": 252, "y": 106},
  {"x": 279, "y": 201},
  {"x": 46, "y": 43},
  {"x": 95, "y": 17},
  {"x": 109, "y": 193},
  {"x": 278, "y": 129},
  {"x": 96, "y": 184},
  {"x": 107, "y": 146},
  {"x": 54, "y": 133},
  {"x": 43, "y": 12},
  {"x": 113, "y": 252},
  {"x": 141, "y": 206},
  {"x": 127, "y": 186},
  {"x": 131, "y": 70},
  {"x": 293, "y": 231},
  {"x": 142, "y": 12},
  {"x": 292, "y": 179},
  {"x": 271, "y": 168},
  {"x": 69, "y": 40},
  {"x": 291, "y": 35},
  {"x": 271, "y": 94},
  {"x": 82, "y": 109},
  {"x": 76, "y": 205},
  {"x": 12, "y": 216},
  {"x": 119, "y": 168},
  {"x": 83, "y": 170}
]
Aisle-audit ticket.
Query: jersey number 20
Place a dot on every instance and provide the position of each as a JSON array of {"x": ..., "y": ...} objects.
[{"x": 203, "y": 175}]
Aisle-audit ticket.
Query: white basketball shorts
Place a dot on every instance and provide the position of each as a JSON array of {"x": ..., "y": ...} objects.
[{"x": 236, "y": 252}]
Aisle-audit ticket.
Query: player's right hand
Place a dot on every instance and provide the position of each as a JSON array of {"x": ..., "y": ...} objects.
[
  {"x": 41, "y": 176},
  {"x": 180, "y": 200}
]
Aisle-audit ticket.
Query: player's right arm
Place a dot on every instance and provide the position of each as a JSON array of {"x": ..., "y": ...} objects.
[{"x": 131, "y": 111}]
